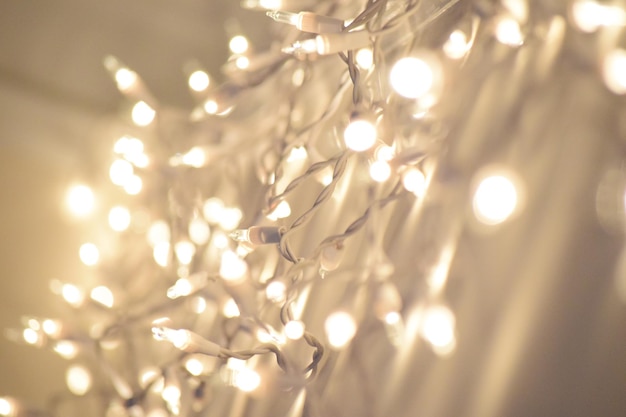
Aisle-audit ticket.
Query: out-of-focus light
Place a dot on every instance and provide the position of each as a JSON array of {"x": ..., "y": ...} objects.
[
  {"x": 211, "y": 107},
  {"x": 80, "y": 200},
  {"x": 230, "y": 308},
  {"x": 495, "y": 199},
  {"x": 340, "y": 329},
  {"x": 89, "y": 254},
  {"x": 120, "y": 171},
  {"x": 7, "y": 408},
  {"x": 276, "y": 291},
  {"x": 393, "y": 317},
  {"x": 125, "y": 78},
  {"x": 161, "y": 253},
  {"x": 412, "y": 77},
  {"x": 194, "y": 366},
  {"x": 133, "y": 185},
  {"x": 238, "y": 44},
  {"x": 509, "y": 32},
  {"x": 457, "y": 45},
  {"x": 212, "y": 210},
  {"x": 199, "y": 231},
  {"x": 34, "y": 324},
  {"x": 614, "y": 71},
  {"x": 171, "y": 394},
  {"x": 589, "y": 15},
  {"x": 103, "y": 295},
  {"x": 281, "y": 211},
  {"x": 119, "y": 218},
  {"x": 360, "y": 135},
  {"x": 242, "y": 62},
  {"x": 199, "y": 81},
  {"x": 380, "y": 171},
  {"x": 438, "y": 328},
  {"x": 66, "y": 349},
  {"x": 384, "y": 153},
  {"x": 78, "y": 379},
  {"x": 142, "y": 114},
  {"x": 198, "y": 304},
  {"x": 195, "y": 157},
  {"x": 50, "y": 327},
  {"x": 148, "y": 375},
  {"x": 232, "y": 267},
  {"x": 294, "y": 329},
  {"x": 72, "y": 295},
  {"x": 185, "y": 251},
  {"x": 230, "y": 218},
  {"x": 364, "y": 58},
  {"x": 297, "y": 154},
  {"x": 220, "y": 240},
  {"x": 158, "y": 232},
  {"x": 30, "y": 336},
  {"x": 414, "y": 181},
  {"x": 246, "y": 380}
]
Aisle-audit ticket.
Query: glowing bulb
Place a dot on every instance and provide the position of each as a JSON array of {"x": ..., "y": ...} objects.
[
  {"x": 30, "y": 336},
  {"x": 120, "y": 171},
  {"x": 72, "y": 295},
  {"x": 212, "y": 210},
  {"x": 66, "y": 349},
  {"x": 171, "y": 394},
  {"x": 508, "y": 32},
  {"x": 495, "y": 199},
  {"x": 102, "y": 295},
  {"x": 198, "y": 305},
  {"x": 457, "y": 45},
  {"x": 340, "y": 329},
  {"x": 380, "y": 171},
  {"x": 230, "y": 309},
  {"x": 412, "y": 77},
  {"x": 360, "y": 135},
  {"x": 276, "y": 291},
  {"x": 158, "y": 232},
  {"x": 230, "y": 218},
  {"x": 220, "y": 240},
  {"x": 185, "y": 251},
  {"x": 161, "y": 253},
  {"x": 195, "y": 157},
  {"x": 246, "y": 380},
  {"x": 294, "y": 329},
  {"x": 50, "y": 327},
  {"x": 414, "y": 181},
  {"x": 364, "y": 58},
  {"x": 119, "y": 218},
  {"x": 438, "y": 328},
  {"x": 80, "y": 200},
  {"x": 238, "y": 44},
  {"x": 242, "y": 62},
  {"x": 393, "y": 317},
  {"x": 148, "y": 375},
  {"x": 384, "y": 153},
  {"x": 194, "y": 366},
  {"x": 89, "y": 254},
  {"x": 199, "y": 231},
  {"x": 211, "y": 107},
  {"x": 281, "y": 211},
  {"x": 142, "y": 114},
  {"x": 133, "y": 185},
  {"x": 298, "y": 153},
  {"x": 590, "y": 15},
  {"x": 199, "y": 81},
  {"x": 232, "y": 267},
  {"x": 125, "y": 78},
  {"x": 78, "y": 379},
  {"x": 614, "y": 71},
  {"x": 6, "y": 407}
]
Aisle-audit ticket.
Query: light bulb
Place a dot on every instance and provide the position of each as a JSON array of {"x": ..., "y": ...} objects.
[
  {"x": 230, "y": 308},
  {"x": 103, "y": 295},
  {"x": 125, "y": 78},
  {"x": 294, "y": 329},
  {"x": 495, "y": 199},
  {"x": 232, "y": 267},
  {"x": 72, "y": 295},
  {"x": 80, "y": 200},
  {"x": 242, "y": 62},
  {"x": 78, "y": 379},
  {"x": 119, "y": 218},
  {"x": 614, "y": 71},
  {"x": 589, "y": 15},
  {"x": 198, "y": 304},
  {"x": 199, "y": 81},
  {"x": 30, "y": 336},
  {"x": 161, "y": 253},
  {"x": 380, "y": 171},
  {"x": 509, "y": 32},
  {"x": 51, "y": 327},
  {"x": 195, "y": 157},
  {"x": 412, "y": 77},
  {"x": 142, "y": 114},
  {"x": 212, "y": 210},
  {"x": 199, "y": 231},
  {"x": 276, "y": 291},
  {"x": 230, "y": 218},
  {"x": 238, "y": 44},
  {"x": 281, "y": 211},
  {"x": 297, "y": 153},
  {"x": 457, "y": 45},
  {"x": 120, "y": 172},
  {"x": 246, "y": 380},
  {"x": 185, "y": 251},
  {"x": 89, "y": 254},
  {"x": 7, "y": 407},
  {"x": 364, "y": 58},
  {"x": 66, "y": 349},
  {"x": 158, "y": 232},
  {"x": 133, "y": 185},
  {"x": 414, "y": 181},
  {"x": 194, "y": 366},
  {"x": 340, "y": 329},
  {"x": 360, "y": 135},
  {"x": 438, "y": 328}
]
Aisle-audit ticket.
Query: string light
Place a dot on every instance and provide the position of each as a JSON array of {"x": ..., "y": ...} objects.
[
  {"x": 7, "y": 408},
  {"x": 199, "y": 81},
  {"x": 103, "y": 295},
  {"x": 238, "y": 44},
  {"x": 360, "y": 134},
  {"x": 80, "y": 200},
  {"x": 340, "y": 329},
  {"x": 495, "y": 199},
  {"x": 119, "y": 218},
  {"x": 89, "y": 254},
  {"x": 78, "y": 379},
  {"x": 142, "y": 113}
]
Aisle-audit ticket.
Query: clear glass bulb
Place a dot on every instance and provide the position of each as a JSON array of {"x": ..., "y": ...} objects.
[
  {"x": 340, "y": 328},
  {"x": 199, "y": 81},
  {"x": 119, "y": 218},
  {"x": 89, "y": 254},
  {"x": 80, "y": 200},
  {"x": 78, "y": 379},
  {"x": 360, "y": 135},
  {"x": 142, "y": 114},
  {"x": 412, "y": 77},
  {"x": 495, "y": 199}
]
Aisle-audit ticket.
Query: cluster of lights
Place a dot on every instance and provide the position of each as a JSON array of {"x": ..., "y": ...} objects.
[{"x": 218, "y": 269}]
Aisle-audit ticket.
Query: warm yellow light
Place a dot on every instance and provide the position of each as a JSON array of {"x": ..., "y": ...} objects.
[
  {"x": 158, "y": 232},
  {"x": 297, "y": 153},
  {"x": 30, "y": 336},
  {"x": 142, "y": 114},
  {"x": 242, "y": 62},
  {"x": 195, "y": 157},
  {"x": 380, "y": 171},
  {"x": 276, "y": 291},
  {"x": 72, "y": 295},
  {"x": 194, "y": 366},
  {"x": 271, "y": 4},
  {"x": 232, "y": 267},
  {"x": 78, "y": 379},
  {"x": 340, "y": 329},
  {"x": 125, "y": 78},
  {"x": 230, "y": 309},
  {"x": 185, "y": 251},
  {"x": 171, "y": 395},
  {"x": 133, "y": 185},
  {"x": 393, "y": 317},
  {"x": 614, "y": 71},
  {"x": 589, "y": 15},
  {"x": 457, "y": 45},
  {"x": 414, "y": 180},
  {"x": 89, "y": 254},
  {"x": 161, "y": 253},
  {"x": 120, "y": 171},
  {"x": 50, "y": 327},
  {"x": 360, "y": 135},
  {"x": 80, "y": 200},
  {"x": 211, "y": 107},
  {"x": 294, "y": 329},
  {"x": 230, "y": 218},
  {"x": 66, "y": 349},
  {"x": 364, "y": 58},
  {"x": 220, "y": 240},
  {"x": 238, "y": 44},
  {"x": 198, "y": 304},
  {"x": 148, "y": 375},
  {"x": 495, "y": 199},
  {"x": 103, "y": 295},
  {"x": 199, "y": 81},
  {"x": 281, "y": 211},
  {"x": 199, "y": 231},
  {"x": 412, "y": 77},
  {"x": 119, "y": 218},
  {"x": 438, "y": 328},
  {"x": 246, "y": 380},
  {"x": 212, "y": 210},
  {"x": 7, "y": 408},
  {"x": 509, "y": 32}
]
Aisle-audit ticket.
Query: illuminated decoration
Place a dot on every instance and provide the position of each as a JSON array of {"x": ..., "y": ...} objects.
[{"x": 316, "y": 223}]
